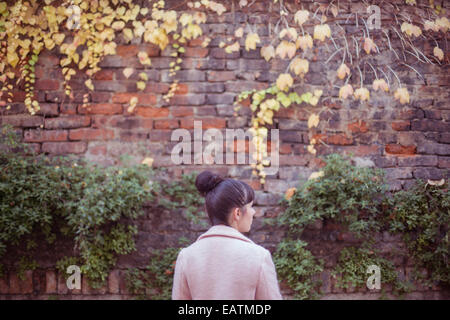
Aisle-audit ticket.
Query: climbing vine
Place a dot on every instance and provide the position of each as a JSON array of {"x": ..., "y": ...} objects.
[{"x": 43, "y": 199}]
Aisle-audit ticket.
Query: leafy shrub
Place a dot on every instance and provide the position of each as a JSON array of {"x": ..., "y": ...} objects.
[
  {"x": 422, "y": 215},
  {"x": 298, "y": 268},
  {"x": 348, "y": 194},
  {"x": 352, "y": 267}
]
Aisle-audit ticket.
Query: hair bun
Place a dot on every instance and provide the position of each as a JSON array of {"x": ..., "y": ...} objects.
[{"x": 207, "y": 181}]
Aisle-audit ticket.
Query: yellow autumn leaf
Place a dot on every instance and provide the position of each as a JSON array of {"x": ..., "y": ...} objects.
[
  {"x": 185, "y": 19},
  {"x": 369, "y": 45},
  {"x": 59, "y": 38},
  {"x": 143, "y": 76},
  {"x": 144, "y": 59},
  {"x": 316, "y": 175},
  {"x": 286, "y": 49},
  {"x": 313, "y": 120},
  {"x": 380, "y": 84},
  {"x": 217, "y": 7},
  {"x": 251, "y": 41},
  {"x": 362, "y": 94},
  {"x": 443, "y": 24},
  {"x": 304, "y": 42},
  {"x": 301, "y": 16},
  {"x": 343, "y": 71},
  {"x": 199, "y": 17},
  {"x": 127, "y": 72},
  {"x": 118, "y": 25},
  {"x": 345, "y": 91},
  {"x": 291, "y": 33},
  {"x": 109, "y": 48},
  {"x": 89, "y": 84},
  {"x": 311, "y": 149},
  {"x": 410, "y": 29},
  {"x": 430, "y": 25},
  {"x": 402, "y": 94},
  {"x": 284, "y": 81},
  {"x": 289, "y": 193},
  {"x": 192, "y": 31},
  {"x": 233, "y": 47},
  {"x": 159, "y": 37},
  {"x": 133, "y": 103},
  {"x": 206, "y": 42},
  {"x": 148, "y": 161},
  {"x": 322, "y": 31},
  {"x": 268, "y": 52},
  {"x": 239, "y": 32},
  {"x": 299, "y": 66},
  {"x": 438, "y": 53},
  {"x": 140, "y": 85}
]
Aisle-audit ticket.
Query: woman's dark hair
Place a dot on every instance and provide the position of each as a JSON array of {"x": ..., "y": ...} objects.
[{"x": 222, "y": 195}]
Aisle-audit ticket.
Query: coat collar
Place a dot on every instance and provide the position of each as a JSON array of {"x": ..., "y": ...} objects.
[{"x": 221, "y": 230}]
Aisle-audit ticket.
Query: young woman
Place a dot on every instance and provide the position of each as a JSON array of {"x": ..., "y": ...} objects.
[{"x": 223, "y": 264}]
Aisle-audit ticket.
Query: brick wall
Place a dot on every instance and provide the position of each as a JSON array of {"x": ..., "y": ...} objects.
[{"x": 409, "y": 141}]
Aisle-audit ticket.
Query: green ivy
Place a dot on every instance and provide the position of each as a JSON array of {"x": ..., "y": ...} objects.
[
  {"x": 94, "y": 206},
  {"x": 351, "y": 269},
  {"x": 345, "y": 193},
  {"x": 298, "y": 268},
  {"x": 421, "y": 215}
]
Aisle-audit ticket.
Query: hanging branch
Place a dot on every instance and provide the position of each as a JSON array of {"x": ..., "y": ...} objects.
[{"x": 398, "y": 79}]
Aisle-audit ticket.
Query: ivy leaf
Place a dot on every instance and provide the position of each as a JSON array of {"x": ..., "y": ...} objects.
[
  {"x": 345, "y": 91},
  {"x": 217, "y": 7},
  {"x": 251, "y": 41},
  {"x": 313, "y": 120},
  {"x": 284, "y": 81},
  {"x": 438, "y": 53},
  {"x": 127, "y": 72},
  {"x": 299, "y": 66},
  {"x": 233, "y": 48},
  {"x": 89, "y": 84},
  {"x": 369, "y": 45},
  {"x": 285, "y": 100},
  {"x": 141, "y": 85},
  {"x": 402, "y": 94},
  {"x": 380, "y": 84},
  {"x": 362, "y": 94},
  {"x": 301, "y": 17},
  {"x": 410, "y": 29},
  {"x": 322, "y": 31},
  {"x": 268, "y": 52},
  {"x": 343, "y": 71},
  {"x": 304, "y": 42},
  {"x": 239, "y": 32},
  {"x": 291, "y": 33},
  {"x": 143, "y": 58},
  {"x": 294, "y": 97},
  {"x": 286, "y": 49}
]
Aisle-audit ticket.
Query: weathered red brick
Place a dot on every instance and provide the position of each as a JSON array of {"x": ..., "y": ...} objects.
[
  {"x": 400, "y": 150},
  {"x": 152, "y": 112},
  {"x": 125, "y": 122},
  {"x": 358, "y": 126},
  {"x": 401, "y": 125},
  {"x": 101, "y": 108},
  {"x": 67, "y": 122},
  {"x": 91, "y": 134},
  {"x": 4, "y": 284},
  {"x": 104, "y": 74},
  {"x": 207, "y": 123},
  {"x": 18, "y": 286},
  {"x": 50, "y": 281},
  {"x": 166, "y": 124},
  {"x": 45, "y": 135},
  {"x": 340, "y": 139},
  {"x": 181, "y": 111},
  {"x": 22, "y": 120},
  {"x": 144, "y": 99},
  {"x": 60, "y": 148},
  {"x": 221, "y": 75},
  {"x": 196, "y": 52},
  {"x": 47, "y": 84},
  {"x": 114, "y": 281}
]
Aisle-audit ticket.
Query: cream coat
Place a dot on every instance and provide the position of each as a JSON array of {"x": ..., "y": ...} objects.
[{"x": 223, "y": 264}]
